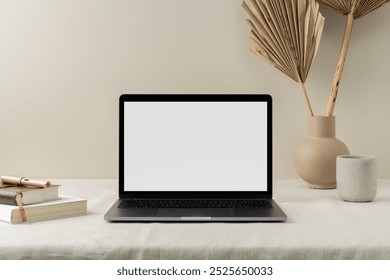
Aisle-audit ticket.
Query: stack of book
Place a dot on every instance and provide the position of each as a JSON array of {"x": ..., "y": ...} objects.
[{"x": 24, "y": 200}]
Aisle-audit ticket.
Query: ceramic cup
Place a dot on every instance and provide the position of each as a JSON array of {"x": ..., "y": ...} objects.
[{"x": 356, "y": 178}]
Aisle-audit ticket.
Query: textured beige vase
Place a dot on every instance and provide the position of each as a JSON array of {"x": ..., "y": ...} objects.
[{"x": 315, "y": 157}]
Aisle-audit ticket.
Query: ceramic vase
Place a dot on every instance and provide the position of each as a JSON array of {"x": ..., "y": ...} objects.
[{"x": 315, "y": 156}]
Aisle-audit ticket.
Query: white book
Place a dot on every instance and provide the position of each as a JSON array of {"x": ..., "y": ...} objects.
[{"x": 64, "y": 207}]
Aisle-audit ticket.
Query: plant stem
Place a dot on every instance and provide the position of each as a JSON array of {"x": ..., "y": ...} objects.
[
  {"x": 341, "y": 62},
  {"x": 303, "y": 88}
]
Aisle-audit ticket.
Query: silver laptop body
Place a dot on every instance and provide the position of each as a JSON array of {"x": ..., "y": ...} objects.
[{"x": 195, "y": 158}]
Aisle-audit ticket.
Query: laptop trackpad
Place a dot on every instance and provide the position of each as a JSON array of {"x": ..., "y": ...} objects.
[{"x": 195, "y": 212}]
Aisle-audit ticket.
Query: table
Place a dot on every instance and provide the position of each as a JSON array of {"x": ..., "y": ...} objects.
[{"x": 319, "y": 226}]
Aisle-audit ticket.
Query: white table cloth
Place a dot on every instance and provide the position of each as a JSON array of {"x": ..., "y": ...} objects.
[{"x": 319, "y": 226}]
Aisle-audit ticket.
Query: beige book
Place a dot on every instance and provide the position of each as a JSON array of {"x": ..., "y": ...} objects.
[
  {"x": 61, "y": 208},
  {"x": 31, "y": 195}
]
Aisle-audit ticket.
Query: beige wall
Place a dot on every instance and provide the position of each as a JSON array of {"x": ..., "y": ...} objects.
[{"x": 64, "y": 63}]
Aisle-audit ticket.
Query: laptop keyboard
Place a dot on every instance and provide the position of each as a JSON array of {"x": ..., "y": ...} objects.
[{"x": 194, "y": 203}]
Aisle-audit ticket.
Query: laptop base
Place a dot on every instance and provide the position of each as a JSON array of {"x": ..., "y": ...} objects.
[{"x": 116, "y": 214}]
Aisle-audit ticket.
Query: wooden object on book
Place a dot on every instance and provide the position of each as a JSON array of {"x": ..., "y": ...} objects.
[
  {"x": 25, "y": 181},
  {"x": 62, "y": 208}
]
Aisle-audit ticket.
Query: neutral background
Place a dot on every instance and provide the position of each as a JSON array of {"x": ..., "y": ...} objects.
[{"x": 63, "y": 65}]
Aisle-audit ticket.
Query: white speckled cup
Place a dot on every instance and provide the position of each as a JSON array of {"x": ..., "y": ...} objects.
[{"x": 356, "y": 178}]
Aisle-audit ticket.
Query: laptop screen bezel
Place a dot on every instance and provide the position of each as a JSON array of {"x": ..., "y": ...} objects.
[{"x": 195, "y": 98}]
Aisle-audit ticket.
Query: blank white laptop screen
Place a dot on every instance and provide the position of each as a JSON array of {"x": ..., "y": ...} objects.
[{"x": 195, "y": 146}]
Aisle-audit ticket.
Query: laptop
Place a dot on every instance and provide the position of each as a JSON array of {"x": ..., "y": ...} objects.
[{"x": 195, "y": 158}]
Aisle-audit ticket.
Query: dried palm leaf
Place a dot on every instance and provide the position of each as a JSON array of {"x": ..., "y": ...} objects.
[
  {"x": 354, "y": 9},
  {"x": 287, "y": 35},
  {"x": 359, "y": 7}
]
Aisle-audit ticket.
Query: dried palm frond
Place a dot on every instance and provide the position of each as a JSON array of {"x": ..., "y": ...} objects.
[
  {"x": 287, "y": 35},
  {"x": 360, "y": 7},
  {"x": 354, "y": 9}
]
